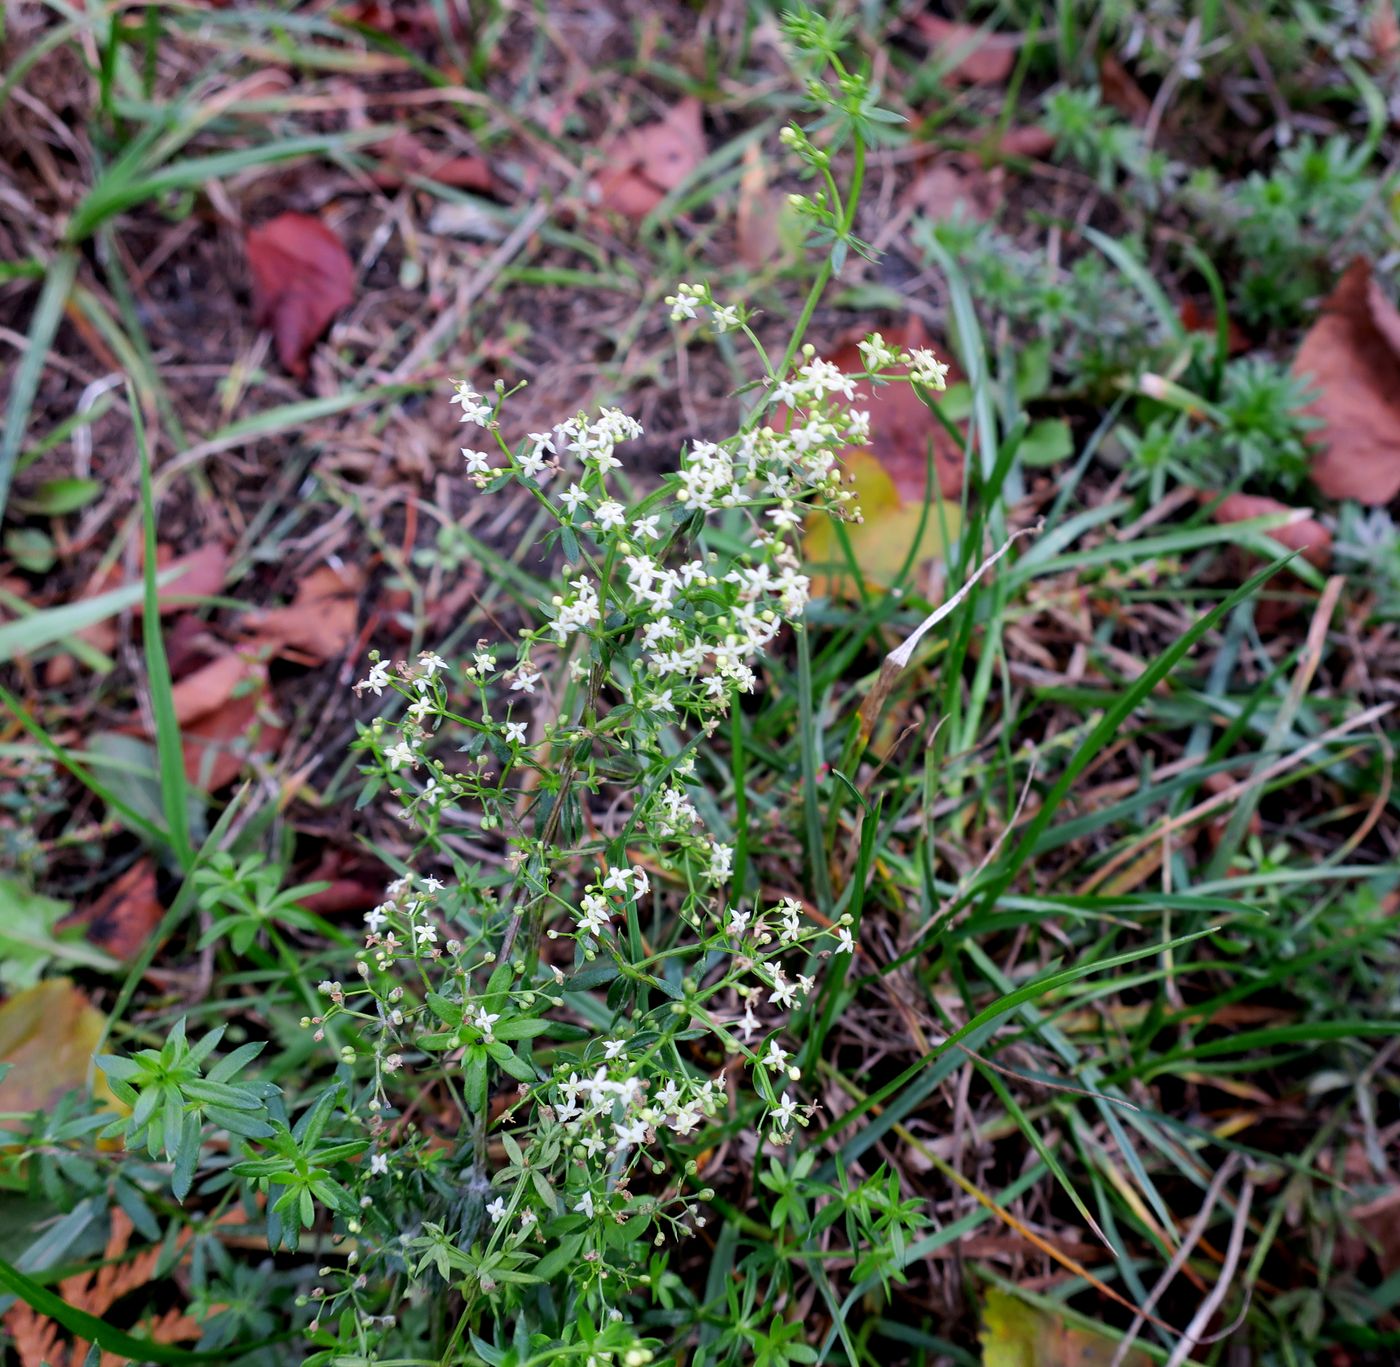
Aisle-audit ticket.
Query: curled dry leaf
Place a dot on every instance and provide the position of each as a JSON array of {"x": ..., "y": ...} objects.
[
  {"x": 646, "y": 163},
  {"x": 123, "y": 917},
  {"x": 320, "y": 622},
  {"x": 978, "y": 57},
  {"x": 1352, "y": 357},
  {"x": 302, "y": 277},
  {"x": 1303, "y": 533}
]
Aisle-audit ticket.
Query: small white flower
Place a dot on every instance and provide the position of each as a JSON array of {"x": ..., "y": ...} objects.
[
  {"x": 784, "y": 1112},
  {"x": 618, "y": 879},
  {"x": 515, "y": 732},
  {"x": 484, "y": 1020},
  {"x": 525, "y": 679},
  {"x": 396, "y": 756},
  {"x": 644, "y": 529},
  {"x": 585, "y": 1204},
  {"x": 484, "y": 661},
  {"x": 376, "y": 918},
  {"x": 845, "y": 942},
  {"x": 379, "y": 1164},
  {"x": 610, "y": 514},
  {"x": 726, "y": 317},
  {"x": 572, "y": 497},
  {"x": 431, "y": 885},
  {"x": 478, "y": 462},
  {"x": 927, "y": 369},
  {"x": 497, "y": 1210},
  {"x": 614, "y": 1048},
  {"x": 738, "y": 923},
  {"x": 376, "y": 680},
  {"x": 776, "y": 1057},
  {"x": 527, "y": 1218},
  {"x": 427, "y": 934}
]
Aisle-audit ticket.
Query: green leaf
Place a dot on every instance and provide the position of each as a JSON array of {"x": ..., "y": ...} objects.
[
  {"x": 1047, "y": 442},
  {"x": 55, "y": 497},
  {"x": 562, "y": 1255},
  {"x": 31, "y": 549}
]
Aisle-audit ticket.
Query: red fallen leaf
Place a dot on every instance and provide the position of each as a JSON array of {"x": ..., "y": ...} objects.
[
  {"x": 901, "y": 426},
  {"x": 646, "y": 163},
  {"x": 219, "y": 744},
  {"x": 1352, "y": 355},
  {"x": 302, "y": 277},
  {"x": 978, "y": 57},
  {"x": 209, "y": 687},
  {"x": 1121, "y": 91},
  {"x": 1305, "y": 533},
  {"x": 1195, "y": 319},
  {"x": 320, "y": 622},
  {"x": 199, "y": 574},
  {"x": 1031, "y": 141},
  {"x": 405, "y": 156},
  {"x": 957, "y": 182},
  {"x": 353, "y": 887},
  {"x": 123, "y": 918},
  {"x": 1385, "y": 32}
]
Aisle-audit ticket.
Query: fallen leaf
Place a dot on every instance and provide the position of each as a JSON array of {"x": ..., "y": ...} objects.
[
  {"x": 1196, "y": 319},
  {"x": 1304, "y": 533},
  {"x": 199, "y": 574},
  {"x": 47, "y": 1035},
  {"x": 1030, "y": 141},
  {"x": 758, "y": 214},
  {"x": 122, "y": 919},
  {"x": 1385, "y": 32},
  {"x": 220, "y": 743},
  {"x": 1121, "y": 91},
  {"x": 1016, "y": 1334},
  {"x": 209, "y": 687},
  {"x": 955, "y": 185},
  {"x": 977, "y": 57},
  {"x": 1352, "y": 357},
  {"x": 646, "y": 163},
  {"x": 404, "y": 156},
  {"x": 901, "y": 426},
  {"x": 320, "y": 622},
  {"x": 302, "y": 277},
  {"x": 892, "y": 533}
]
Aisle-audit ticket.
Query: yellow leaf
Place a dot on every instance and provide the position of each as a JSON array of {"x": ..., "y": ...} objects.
[
  {"x": 1015, "y": 1334},
  {"x": 886, "y": 539},
  {"x": 48, "y": 1034}
]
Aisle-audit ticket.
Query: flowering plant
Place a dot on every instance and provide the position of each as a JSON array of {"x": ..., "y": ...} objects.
[{"x": 573, "y": 991}]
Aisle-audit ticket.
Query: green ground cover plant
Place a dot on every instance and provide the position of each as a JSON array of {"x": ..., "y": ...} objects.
[{"x": 781, "y": 947}]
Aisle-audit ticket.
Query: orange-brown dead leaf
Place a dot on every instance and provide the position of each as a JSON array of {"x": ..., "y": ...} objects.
[
  {"x": 1304, "y": 533},
  {"x": 404, "y": 156},
  {"x": 1029, "y": 141},
  {"x": 122, "y": 919},
  {"x": 1121, "y": 91},
  {"x": 302, "y": 277},
  {"x": 646, "y": 163},
  {"x": 319, "y": 624},
  {"x": 978, "y": 57},
  {"x": 1195, "y": 319},
  {"x": 1352, "y": 356}
]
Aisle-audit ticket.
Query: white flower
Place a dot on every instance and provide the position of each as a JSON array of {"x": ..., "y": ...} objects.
[
  {"x": 585, "y": 1204},
  {"x": 641, "y": 884},
  {"x": 726, "y": 317},
  {"x": 515, "y": 732},
  {"x": 473, "y": 408},
  {"x": 845, "y": 942},
  {"x": 646, "y": 529},
  {"x": 738, "y": 922},
  {"x": 610, "y": 514},
  {"x": 748, "y": 1025},
  {"x": 784, "y": 1112},
  {"x": 527, "y": 1218},
  {"x": 572, "y": 497},
  {"x": 783, "y": 990},
  {"x": 483, "y": 1020},
  {"x": 376, "y": 918},
  {"x": 377, "y": 678},
  {"x": 632, "y": 1132},
  {"x": 927, "y": 369},
  {"x": 478, "y": 462},
  {"x": 614, "y": 1048},
  {"x": 484, "y": 661},
  {"x": 497, "y": 1210},
  {"x": 431, "y": 885},
  {"x": 396, "y": 756},
  {"x": 776, "y": 1057},
  {"x": 379, "y": 1164},
  {"x": 618, "y": 879},
  {"x": 525, "y": 679},
  {"x": 427, "y": 934}
]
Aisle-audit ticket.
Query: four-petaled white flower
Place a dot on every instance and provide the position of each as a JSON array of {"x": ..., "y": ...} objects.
[
  {"x": 845, "y": 941},
  {"x": 515, "y": 732},
  {"x": 379, "y": 1164},
  {"x": 572, "y": 497},
  {"x": 776, "y": 1057},
  {"x": 610, "y": 514},
  {"x": 497, "y": 1210},
  {"x": 525, "y": 679},
  {"x": 484, "y": 1020},
  {"x": 585, "y": 1204},
  {"x": 785, "y": 1110}
]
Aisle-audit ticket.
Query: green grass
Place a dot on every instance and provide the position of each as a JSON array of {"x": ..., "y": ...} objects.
[{"x": 1065, "y": 952}]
